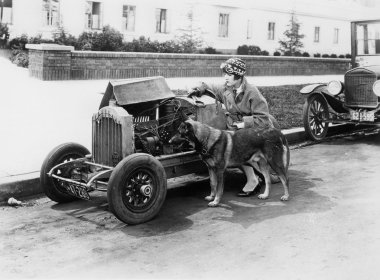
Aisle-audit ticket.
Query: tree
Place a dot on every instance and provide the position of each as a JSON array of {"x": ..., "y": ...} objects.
[
  {"x": 291, "y": 44},
  {"x": 189, "y": 37}
]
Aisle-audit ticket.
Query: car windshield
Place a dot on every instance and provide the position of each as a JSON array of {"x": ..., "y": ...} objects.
[{"x": 368, "y": 38}]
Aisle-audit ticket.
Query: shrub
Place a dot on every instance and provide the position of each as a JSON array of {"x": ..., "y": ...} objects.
[
  {"x": 348, "y": 55},
  {"x": 84, "y": 42},
  {"x": 325, "y": 55},
  {"x": 169, "y": 47},
  {"x": 317, "y": 55},
  {"x": 297, "y": 53},
  {"x": 145, "y": 45},
  {"x": 211, "y": 50},
  {"x": 276, "y": 53},
  {"x": 254, "y": 50},
  {"x": 108, "y": 40},
  {"x": 306, "y": 54},
  {"x": 20, "y": 58},
  {"x": 63, "y": 38},
  {"x": 333, "y": 55},
  {"x": 341, "y": 56},
  {"x": 242, "y": 50},
  {"x": 249, "y": 50},
  {"x": 4, "y": 34},
  {"x": 38, "y": 40},
  {"x": 265, "y": 53},
  {"x": 19, "y": 42}
]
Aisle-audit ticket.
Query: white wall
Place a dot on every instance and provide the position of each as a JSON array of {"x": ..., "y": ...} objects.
[{"x": 327, "y": 14}]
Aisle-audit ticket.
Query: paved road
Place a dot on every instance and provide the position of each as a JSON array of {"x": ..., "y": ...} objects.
[{"x": 330, "y": 229}]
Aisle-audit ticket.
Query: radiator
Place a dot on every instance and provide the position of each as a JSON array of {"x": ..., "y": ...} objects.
[
  {"x": 358, "y": 92},
  {"x": 107, "y": 139}
]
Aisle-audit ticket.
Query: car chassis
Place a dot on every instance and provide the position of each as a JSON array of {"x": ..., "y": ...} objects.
[{"x": 131, "y": 157}]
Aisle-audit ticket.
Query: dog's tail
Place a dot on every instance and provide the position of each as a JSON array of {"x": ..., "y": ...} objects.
[
  {"x": 285, "y": 153},
  {"x": 279, "y": 156}
]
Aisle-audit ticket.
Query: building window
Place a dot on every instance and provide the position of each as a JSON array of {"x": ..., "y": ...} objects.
[
  {"x": 271, "y": 26},
  {"x": 316, "y": 34},
  {"x": 336, "y": 35},
  {"x": 161, "y": 20},
  {"x": 50, "y": 12},
  {"x": 129, "y": 15},
  {"x": 223, "y": 25},
  {"x": 93, "y": 15},
  {"x": 6, "y": 11},
  {"x": 249, "y": 29}
]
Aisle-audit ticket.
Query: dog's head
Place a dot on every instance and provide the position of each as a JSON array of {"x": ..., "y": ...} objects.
[{"x": 185, "y": 132}]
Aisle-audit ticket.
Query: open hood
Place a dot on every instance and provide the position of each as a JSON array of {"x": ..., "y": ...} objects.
[{"x": 137, "y": 90}]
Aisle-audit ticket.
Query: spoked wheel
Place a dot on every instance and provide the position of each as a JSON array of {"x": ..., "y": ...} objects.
[
  {"x": 63, "y": 153},
  {"x": 137, "y": 188},
  {"x": 315, "y": 114}
]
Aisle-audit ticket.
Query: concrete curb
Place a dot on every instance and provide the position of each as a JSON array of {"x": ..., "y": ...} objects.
[
  {"x": 25, "y": 185},
  {"x": 20, "y": 186}
]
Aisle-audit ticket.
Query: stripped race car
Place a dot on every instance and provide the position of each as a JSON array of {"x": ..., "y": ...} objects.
[
  {"x": 131, "y": 155},
  {"x": 356, "y": 100}
]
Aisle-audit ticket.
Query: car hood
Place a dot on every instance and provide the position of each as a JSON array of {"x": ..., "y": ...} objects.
[
  {"x": 366, "y": 70},
  {"x": 138, "y": 90}
]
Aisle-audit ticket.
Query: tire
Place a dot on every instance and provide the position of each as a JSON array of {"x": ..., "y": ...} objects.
[
  {"x": 315, "y": 112},
  {"x": 60, "y": 154},
  {"x": 137, "y": 188}
]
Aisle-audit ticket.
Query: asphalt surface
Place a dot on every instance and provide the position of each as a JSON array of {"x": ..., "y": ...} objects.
[
  {"x": 329, "y": 229},
  {"x": 40, "y": 115}
]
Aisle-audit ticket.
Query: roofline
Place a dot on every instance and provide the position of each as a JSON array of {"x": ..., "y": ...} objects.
[{"x": 368, "y": 20}]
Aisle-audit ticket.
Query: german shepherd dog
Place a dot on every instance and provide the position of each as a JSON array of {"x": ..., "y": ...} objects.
[{"x": 220, "y": 149}]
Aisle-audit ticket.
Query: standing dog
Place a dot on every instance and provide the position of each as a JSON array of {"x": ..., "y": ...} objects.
[{"x": 220, "y": 149}]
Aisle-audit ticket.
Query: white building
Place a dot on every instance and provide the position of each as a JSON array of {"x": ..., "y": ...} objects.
[{"x": 223, "y": 24}]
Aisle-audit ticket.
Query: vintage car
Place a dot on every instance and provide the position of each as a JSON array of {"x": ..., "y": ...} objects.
[
  {"x": 131, "y": 156},
  {"x": 354, "y": 101}
]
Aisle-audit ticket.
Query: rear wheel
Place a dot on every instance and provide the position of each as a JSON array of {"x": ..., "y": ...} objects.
[
  {"x": 63, "y": 153},
  {"x": 315, "y": 114},
  {"x": 137, "y": 188}
]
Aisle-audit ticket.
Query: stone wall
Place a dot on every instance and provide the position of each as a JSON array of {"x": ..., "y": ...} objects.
[{"x": 53, "y": 62}]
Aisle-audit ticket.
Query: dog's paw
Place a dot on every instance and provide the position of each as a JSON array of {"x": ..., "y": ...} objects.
[
  {"x": 213, "y": 204},
  {"x": 285, "y": 198},
  {"x": 209, "y": 198},
  {"x": 262, "y": 196}
]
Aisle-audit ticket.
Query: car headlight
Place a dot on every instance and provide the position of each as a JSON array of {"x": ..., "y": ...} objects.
[
  {"x": 335, "y": 87},
  {"x": 376, "y": 88}
]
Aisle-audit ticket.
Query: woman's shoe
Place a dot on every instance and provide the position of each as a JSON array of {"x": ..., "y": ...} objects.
[{"x": 244, "y": 194}]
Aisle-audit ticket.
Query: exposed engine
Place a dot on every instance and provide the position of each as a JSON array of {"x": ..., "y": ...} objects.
[{"x": 154, "y": 125}]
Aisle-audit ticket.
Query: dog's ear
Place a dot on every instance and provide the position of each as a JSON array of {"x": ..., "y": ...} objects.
[
  {"x": 182, "y": 116},
  {"x": 189, "y": 125}
]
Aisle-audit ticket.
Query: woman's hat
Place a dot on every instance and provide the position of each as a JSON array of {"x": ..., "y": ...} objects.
[{"x": 234, "y": 66}]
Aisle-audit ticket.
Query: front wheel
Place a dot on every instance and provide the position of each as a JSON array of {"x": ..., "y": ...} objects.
[
  {"x": 137, "y": 188},
  {"x": 315, "y": 114},
  {"x": 63, "y": 153}
]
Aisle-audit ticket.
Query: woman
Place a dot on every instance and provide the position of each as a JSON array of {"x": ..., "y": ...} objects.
[{"x": 246, "y": 107}]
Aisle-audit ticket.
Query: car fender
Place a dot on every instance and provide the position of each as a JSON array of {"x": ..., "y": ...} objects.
[
  {"x": 331, "y": 100},
  {"x": 312, "y": 88}
]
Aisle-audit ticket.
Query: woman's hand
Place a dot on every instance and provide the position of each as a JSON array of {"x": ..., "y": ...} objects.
[
  {"x": 194, "y": 92},
  {"x": 239, "y": 125}
]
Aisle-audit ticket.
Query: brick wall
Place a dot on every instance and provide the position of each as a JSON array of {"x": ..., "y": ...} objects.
[{"x": 62, "y": 64}]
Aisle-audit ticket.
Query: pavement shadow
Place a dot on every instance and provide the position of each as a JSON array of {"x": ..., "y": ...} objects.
[
  {"x": 365, "y": 138},
  {"x": 303, "y": 199},
  {"x": 185, "y": 206}
]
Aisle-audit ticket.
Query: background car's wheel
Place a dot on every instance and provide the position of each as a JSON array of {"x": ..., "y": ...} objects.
[
  {"x": 137, "y": 188},
  {"x": 315, "y": 113},
  {"x": 60, "y": 154}
]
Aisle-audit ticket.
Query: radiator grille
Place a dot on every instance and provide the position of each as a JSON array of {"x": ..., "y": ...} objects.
[
  {"x": 107, "y": 139},
  {"x": 358, "y": 91}
]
